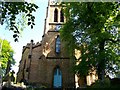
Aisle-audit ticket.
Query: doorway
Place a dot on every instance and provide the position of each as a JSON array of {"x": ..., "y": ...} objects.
[{"x": 57, "y": 81}]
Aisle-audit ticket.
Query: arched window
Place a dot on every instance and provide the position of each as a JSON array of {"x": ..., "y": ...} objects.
[
  {"x": 57, "y": 82},
  {"x": 61, "y": 16},
  {"x": 56, "y": 15},
  {"x": 57, "y": 45}
]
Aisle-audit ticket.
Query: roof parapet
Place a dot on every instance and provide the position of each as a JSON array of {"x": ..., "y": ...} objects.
[{"x": 34, "y": 45}]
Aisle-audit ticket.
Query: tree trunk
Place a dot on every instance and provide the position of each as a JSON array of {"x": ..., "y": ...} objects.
[{"x": 101, "y": 63}]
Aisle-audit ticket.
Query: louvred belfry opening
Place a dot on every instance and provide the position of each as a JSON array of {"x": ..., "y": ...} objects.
[
  {"x": 61, "y": 16},
  {"x": 56, "y": 15}
]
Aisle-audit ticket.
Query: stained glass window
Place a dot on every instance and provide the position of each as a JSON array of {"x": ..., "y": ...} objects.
[{"x": 58, "y": 44}]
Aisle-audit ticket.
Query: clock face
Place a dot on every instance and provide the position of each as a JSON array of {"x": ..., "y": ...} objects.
[
  {"x": 57, "y": 27},
  {"x": 53, "y": 1}
]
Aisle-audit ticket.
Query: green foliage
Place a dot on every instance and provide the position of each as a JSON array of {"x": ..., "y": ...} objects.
[
  {"x": 93, "y": 28},
  {"x": 15, "y": 15},
  {"x": 101, "y": 84},
  {"x": 106, "y": 83},
  {"x": 6, "y": 54}
]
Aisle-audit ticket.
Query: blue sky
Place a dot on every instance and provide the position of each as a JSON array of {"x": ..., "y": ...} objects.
[{"x": 28, "y": 34}]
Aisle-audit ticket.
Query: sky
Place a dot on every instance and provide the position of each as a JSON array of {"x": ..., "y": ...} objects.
[{"x": 27, "y": 35}]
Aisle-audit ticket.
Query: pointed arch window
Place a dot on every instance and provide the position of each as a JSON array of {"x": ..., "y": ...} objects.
[
  {"x": 58, "y": 44},
  {"x": 57, "y": 82},
  {"x": 56, "y": 15},
  {"x": 61, "y": 16}
]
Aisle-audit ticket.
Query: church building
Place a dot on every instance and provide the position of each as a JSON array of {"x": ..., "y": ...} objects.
[{"x": 47, "y": 63}]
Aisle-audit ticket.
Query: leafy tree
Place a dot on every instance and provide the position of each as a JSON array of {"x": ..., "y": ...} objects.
[
  {"x": 94, "y": 29},
  {"x": 6, "y": 55},
  {"x": 16, "y": 14}
]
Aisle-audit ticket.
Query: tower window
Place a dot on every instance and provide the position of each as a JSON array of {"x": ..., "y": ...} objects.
[
  {"x": 58, "y": 45},
  {"x": 61, "y": 16},
  {"x": 56, "y": 15}
]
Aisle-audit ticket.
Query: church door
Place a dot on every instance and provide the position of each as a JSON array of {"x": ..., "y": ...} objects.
[{"x": 57, "y": 82}]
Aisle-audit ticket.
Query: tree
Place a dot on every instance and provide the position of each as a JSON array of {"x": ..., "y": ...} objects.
[
  {"x": 16, "y": 14},
  {"x": 94, "y": 29},
  {"x": 6, "y": 55}
]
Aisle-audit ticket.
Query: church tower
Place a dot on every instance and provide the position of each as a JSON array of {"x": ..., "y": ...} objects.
[
  {"x": 47, "y": 63},
  {"x": 58, "y": 64}
]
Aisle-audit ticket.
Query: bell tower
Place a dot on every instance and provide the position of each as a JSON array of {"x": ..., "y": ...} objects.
[
  {"x": 54, "y": 16},
  {"x": 57, "y": 62},
  {"x": 53, "y": 22}
]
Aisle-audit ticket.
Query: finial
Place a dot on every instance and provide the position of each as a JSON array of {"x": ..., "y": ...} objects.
[{"x": 32, "y": 41}]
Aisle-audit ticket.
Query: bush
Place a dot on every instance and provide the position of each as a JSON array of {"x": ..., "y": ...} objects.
[
  {"x": 113, "y": 83},
  {"x": 101, "y": 84},
  {"x": 36, "y": 88}
]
